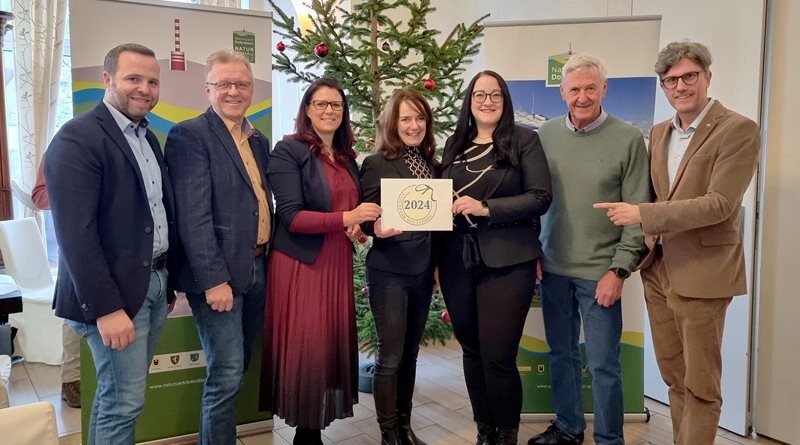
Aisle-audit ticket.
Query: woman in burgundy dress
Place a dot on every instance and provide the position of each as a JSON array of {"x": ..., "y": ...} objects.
[{"x": 310, "y": 367}]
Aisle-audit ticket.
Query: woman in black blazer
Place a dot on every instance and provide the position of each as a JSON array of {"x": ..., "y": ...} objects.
[
  {"x": 399, "y": 265},
  {"x": 487, "y": 264},
  {"x": 310, "y": 358}
]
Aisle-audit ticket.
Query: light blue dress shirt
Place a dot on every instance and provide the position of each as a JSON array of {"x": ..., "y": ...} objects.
[{"x": 151, "y": 175}]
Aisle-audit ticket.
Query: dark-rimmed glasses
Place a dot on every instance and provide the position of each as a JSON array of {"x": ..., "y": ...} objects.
[
  {"x": 225, "y": 86},
  {"x": 689, "y": 78},
  {"x": 479, "y": 97},
  {"x": 320, "y": 105}
]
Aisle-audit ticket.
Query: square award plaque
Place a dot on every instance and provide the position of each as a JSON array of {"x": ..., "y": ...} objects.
[{"x": 417, "y": 204}]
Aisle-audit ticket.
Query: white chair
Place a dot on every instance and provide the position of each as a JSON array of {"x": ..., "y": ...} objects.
[
  {"x": 24, "y": 198},
  {"x": 39, "y": 336},
  {"x": 31, "y": 424}
]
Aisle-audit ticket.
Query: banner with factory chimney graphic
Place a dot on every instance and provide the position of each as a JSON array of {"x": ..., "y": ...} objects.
[
  {"x": 177, "y": 60},
  {"x": 182, "y": 36}
]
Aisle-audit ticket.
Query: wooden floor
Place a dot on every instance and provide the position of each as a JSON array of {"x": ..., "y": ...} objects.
[{"x": 442, "y": 414}]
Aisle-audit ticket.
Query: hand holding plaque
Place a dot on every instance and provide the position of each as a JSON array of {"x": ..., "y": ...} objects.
[{"x": 417, "y": 204}]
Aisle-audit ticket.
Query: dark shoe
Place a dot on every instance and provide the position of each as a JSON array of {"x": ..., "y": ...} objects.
[
  {"x": 315, "y": 436},
  {"x": 554, "y": 435},
  {"x": 389, "y": 435},
  {"x": 71, "y": 393},
  {"x": 487, "y": 434},
  {"x": 307, "y": 436},
  {"x": 300, "y": 436},
  {"x": 507, "y": 436},
  {"x": 405, "y": 433}
]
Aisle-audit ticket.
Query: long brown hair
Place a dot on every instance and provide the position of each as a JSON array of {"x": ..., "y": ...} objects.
[
  {"x": 388, "y": 138},
  {"x": 343, "y": 138}
]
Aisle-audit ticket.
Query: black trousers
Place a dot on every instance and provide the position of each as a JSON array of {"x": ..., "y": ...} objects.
[
  {"x": 488, "y": 307},
  {"x": 400, "y": 305}
]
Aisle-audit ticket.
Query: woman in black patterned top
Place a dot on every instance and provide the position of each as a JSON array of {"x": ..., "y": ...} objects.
[
  {"x": 399, "y": 265},
  {"x": 487, "y": 265}
]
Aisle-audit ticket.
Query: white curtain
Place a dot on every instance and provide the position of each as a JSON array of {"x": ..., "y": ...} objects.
[
  {"x": 226, "y": 3},
  {"x": 38, "y": 49}
]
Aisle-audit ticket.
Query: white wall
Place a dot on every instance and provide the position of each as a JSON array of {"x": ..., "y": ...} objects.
[
  {"x": 732, "y": 29},
  {"x": 777, "y": 392}
]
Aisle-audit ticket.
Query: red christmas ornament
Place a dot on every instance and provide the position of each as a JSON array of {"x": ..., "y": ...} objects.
[
  {"x": 321, "y": 50},
  {"x": 364, "y": 290},
  {"x": 429, "y": 84},
  {"x": 445, "y": 316},
  {"x": 362, "y": 239},
  {"x": 280, "y": 46}
]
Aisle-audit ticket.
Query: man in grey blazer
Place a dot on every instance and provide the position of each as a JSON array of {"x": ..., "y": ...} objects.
[
  {"x": 218, "y": 161},
  {"x": 701, "y": 163}
]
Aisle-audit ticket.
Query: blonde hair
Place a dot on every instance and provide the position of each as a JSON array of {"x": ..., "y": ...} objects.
[{"x": 227, "y": 56}]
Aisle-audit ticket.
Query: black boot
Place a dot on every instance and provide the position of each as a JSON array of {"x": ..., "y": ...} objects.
[
  {"x": 307, "y": 436},
  {"x": 507, "y": 436},
  {"x": 389, "y": 435},
  {"x": 300, "y": 436},
  {"x": 405, "y": 433},
  {"x": 486, "y": 434},
  {"x": 315, "y": 436}
]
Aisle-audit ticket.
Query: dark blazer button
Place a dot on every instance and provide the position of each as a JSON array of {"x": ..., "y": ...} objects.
[
  {"x": 85, "y": 307},
  {"x": 255, "y": 246},
  {"x": 145, "y": 263},
  {"x": 255, "y": 213},
  {"x": 148, "y": 229}
]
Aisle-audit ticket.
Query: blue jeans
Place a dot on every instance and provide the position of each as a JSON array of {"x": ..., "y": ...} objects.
[
  {"x": 565, "y": 301},
  {"x": 227, "y": 339},
  {"x": 122, "y": 375}
]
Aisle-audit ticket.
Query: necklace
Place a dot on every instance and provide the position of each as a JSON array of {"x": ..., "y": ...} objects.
[{"x": 480, "y": 139}]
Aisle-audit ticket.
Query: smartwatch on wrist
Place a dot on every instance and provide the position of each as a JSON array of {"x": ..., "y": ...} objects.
[{"x": 621, "y": 273}]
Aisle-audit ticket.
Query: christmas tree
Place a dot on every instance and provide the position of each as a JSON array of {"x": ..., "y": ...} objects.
[{"x": 372, "y": 54}]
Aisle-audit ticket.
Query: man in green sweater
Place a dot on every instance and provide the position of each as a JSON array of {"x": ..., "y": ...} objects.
[{"x": 593, "y": 157}]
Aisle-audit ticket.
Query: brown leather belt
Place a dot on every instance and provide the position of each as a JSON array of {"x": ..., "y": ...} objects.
[
  {"x": 261, "y": 249},
  {"x": 159, "y": 262}
]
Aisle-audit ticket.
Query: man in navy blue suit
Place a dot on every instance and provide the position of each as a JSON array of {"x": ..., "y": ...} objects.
[
  {"x": 112, "y": 207},
  {"x": 217, "y": 161}
]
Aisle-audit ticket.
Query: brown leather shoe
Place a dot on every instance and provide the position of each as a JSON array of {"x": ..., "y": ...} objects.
[{"x": 71, "y": 393}]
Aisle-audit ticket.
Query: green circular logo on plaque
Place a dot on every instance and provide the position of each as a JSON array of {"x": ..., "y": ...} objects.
[{"x": 416, "y": 205}]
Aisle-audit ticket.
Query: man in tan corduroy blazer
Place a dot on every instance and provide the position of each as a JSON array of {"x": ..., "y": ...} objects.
[{"x": 701, "y": 163}]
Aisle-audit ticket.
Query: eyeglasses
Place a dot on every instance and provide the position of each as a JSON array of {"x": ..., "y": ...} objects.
[
  {"x": 225, "y": 86},
  {"x": 479, "y": 97},
  {"x": 320, "y": 105},
  {"x": 689, "y": 78}
]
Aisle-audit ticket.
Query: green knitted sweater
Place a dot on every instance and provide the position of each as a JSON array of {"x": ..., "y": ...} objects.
[{"x": 606, "y": 164}]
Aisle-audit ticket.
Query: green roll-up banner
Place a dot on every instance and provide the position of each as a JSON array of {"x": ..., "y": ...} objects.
[{"x": 175, "y": 385}]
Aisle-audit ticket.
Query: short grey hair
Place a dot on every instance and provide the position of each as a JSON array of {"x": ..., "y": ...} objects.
[
  {"x": 227, "y": 56},
  {"x": 685, "y": 49},
  {"x": 581, "y": 61}
]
